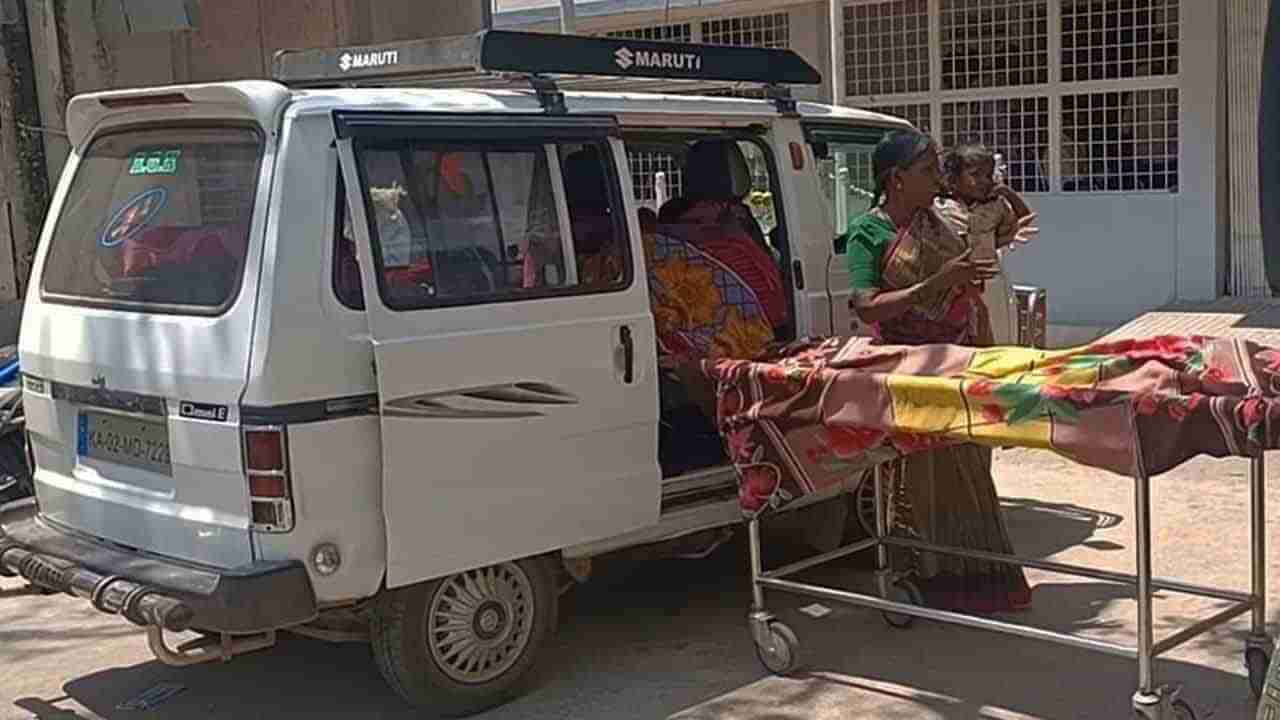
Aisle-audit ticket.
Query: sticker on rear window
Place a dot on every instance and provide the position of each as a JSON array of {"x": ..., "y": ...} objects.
[
  {"x": 154, "y": 162},
  {"x": 133, "y": 216}
]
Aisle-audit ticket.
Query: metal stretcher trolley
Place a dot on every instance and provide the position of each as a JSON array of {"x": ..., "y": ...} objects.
[
  {"x": 901, "y": 602},
  {"x": 778, "y": 646}
]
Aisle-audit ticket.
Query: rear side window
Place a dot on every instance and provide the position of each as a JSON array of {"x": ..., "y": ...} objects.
[
  {"x": 157, "y": 220},
  {"x": 472, "y": 223}
]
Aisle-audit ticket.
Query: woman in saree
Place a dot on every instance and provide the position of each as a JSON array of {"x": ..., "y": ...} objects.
[{"x": 915, "y": 282}]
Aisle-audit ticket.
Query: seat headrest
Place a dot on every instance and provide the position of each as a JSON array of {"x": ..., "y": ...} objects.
[
  {"x": 585, "y": 184},
  {"x": 716, "y": 170}
]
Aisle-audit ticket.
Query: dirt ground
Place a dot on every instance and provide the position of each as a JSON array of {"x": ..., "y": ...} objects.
[{"x": 669, "y": 639}]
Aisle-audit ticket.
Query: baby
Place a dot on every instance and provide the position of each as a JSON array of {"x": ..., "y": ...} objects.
[
  {"x": 989, "y": 215},
  {"x": 986, "y": 212}
]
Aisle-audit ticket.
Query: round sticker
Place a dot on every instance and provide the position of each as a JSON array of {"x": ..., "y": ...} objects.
[{"x": 133, "y": 216}]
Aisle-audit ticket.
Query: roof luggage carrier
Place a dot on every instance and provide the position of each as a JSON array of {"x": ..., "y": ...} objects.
[{"x": 498, "y": 58}]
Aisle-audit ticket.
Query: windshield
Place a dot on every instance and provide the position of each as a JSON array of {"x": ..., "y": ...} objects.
[
  {"x": 844, "y": 171},
  {"x": 157, "y": 219}
]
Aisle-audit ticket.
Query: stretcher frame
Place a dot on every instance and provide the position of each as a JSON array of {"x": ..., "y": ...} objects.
[{"x": 777, "y": 645}]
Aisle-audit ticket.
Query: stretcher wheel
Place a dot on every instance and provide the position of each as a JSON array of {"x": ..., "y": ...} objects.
[
  {"x": 864, "y": 499},
  {"x": 782, "y": 654},
  {"x": 903, "y": 591},
  {"x": 1182, "y": 711},
  {"x": 1257, "y": 661}
]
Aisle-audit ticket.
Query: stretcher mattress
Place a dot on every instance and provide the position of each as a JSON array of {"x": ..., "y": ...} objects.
[{"x": 811, "y": 415}]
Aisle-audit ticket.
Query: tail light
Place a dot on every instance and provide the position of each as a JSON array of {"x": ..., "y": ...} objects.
[{"x": 266, "y": 465}]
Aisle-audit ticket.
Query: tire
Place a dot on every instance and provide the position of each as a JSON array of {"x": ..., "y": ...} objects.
[
  {"x": 1182, "y": 710},
  {"x": 903, "y": 591},
  {"x": 438, "y": 673},
  {"x": 13, "y": 461},
  {"x": 1269, "y": 146},
  {"x": 782, "y": 657},
  {"x": 1257, "y": 661}
]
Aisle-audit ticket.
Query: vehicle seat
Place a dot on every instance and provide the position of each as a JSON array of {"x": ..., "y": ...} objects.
[
  {"x": 715, "y": 172},
  {"x": 717, "y": 179}
]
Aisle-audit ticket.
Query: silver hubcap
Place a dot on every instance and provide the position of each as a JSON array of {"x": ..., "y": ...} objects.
[{"x": 480, "y": 621}]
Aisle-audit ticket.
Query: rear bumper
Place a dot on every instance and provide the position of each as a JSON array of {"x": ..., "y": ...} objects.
[{"x": 149, "y": 590}]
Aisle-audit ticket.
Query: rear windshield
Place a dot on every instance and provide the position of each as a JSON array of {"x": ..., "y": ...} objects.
[{"x": 157, "y": 219}]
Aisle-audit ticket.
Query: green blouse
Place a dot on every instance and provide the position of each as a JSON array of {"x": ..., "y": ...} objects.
[{"x": 869, "y": 237}]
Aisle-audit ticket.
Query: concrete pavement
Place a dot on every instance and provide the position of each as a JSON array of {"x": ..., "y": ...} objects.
[{"x": 668, "y": 639}]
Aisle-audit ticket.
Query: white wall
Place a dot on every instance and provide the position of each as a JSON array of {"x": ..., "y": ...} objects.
[
  {"x": 1202, "y": 243},
  {"x": 1103, "y": 258}
]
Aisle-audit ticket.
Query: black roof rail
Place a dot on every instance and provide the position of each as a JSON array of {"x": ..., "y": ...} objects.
[{"x": 548, "y": 62}]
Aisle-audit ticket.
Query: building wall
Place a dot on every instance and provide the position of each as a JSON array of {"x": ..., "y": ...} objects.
[
  {"x": 236, "y": 39},
  {"x": 806, "y": 23},
  {"x": 1106, "y": 253},
  {"x": 1104, "y": 256},
  {"x": 1120, "y": 245}
]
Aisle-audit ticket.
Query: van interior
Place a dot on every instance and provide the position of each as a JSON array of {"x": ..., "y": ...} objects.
[{"x": 453, "y": 222}]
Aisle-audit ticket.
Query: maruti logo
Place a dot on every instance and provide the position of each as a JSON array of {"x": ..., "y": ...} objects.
[
  {"x": 626, "y": 59},
  {"x": 355, "y": 61}
]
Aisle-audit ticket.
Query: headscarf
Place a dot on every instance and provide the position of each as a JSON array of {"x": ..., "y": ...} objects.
[{"x": 896, "y": 151}]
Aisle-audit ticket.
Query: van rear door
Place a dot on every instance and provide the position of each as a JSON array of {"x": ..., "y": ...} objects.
[
  {"x": 512, "y": 334},
  {"x": 136, "y": 333}
]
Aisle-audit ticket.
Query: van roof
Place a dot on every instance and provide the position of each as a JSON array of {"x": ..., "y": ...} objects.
[
  {"x": 608, "y": 103},
  {"x": 264, "y": 101}
]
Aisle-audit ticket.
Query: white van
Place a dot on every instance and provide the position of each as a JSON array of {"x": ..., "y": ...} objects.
[{"x": 336, "y": 360}]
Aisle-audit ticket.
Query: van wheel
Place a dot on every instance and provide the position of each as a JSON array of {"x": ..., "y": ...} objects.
[
  {"x": 463, "y": 643},
  {"x": 13, "y": 464}
]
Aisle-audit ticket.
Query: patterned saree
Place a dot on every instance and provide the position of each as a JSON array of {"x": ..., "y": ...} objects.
[{"x": 946, "y": 496}]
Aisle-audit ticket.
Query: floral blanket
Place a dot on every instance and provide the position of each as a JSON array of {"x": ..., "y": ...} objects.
[
  {"x": 701, "y": 307},
  {"x": 817, "y": 413}
]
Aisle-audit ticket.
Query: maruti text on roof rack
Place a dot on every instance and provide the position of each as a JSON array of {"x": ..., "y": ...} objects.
[{"x": 454, "y": 60}]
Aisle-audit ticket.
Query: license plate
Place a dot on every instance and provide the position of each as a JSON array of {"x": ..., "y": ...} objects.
[{"x": 142, "y": 444}]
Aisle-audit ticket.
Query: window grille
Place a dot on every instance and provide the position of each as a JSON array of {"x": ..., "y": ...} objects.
[
  {"x": 994, "y": 43},
  {"x": 680, "y": 32},
  {"x": 1018, "y": 128},
  {"x": 1117, "y": 39},
  {"x": 1120, "y": 141},
  {"x": 763, "y": 31},
  {"x": 918, "y": 114},
  {"x": 644, "y": 164},
  {"x": 886, "y": 47}
]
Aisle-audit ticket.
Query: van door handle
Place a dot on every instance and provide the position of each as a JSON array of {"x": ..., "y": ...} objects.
[{"x": 628, "y": 354}]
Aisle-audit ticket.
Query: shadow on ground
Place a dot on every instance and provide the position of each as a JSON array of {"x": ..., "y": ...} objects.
[{"x": 669, "y": 638}]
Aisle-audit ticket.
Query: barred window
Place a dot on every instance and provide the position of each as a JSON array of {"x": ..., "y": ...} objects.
[
  {"x": 994, "y": 43},
  {"x": 679, "y": 32},
  {"x": 918, "y": 114},
  {"x": 645, "y": 165},
  {"x": 886, "y": 47},
  {"x": 1120, "y": 141},
  {"x": 762, "y": 31},
  {"x": 1116, "y": 39},
  {"x": 1018, "y": 128}
]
